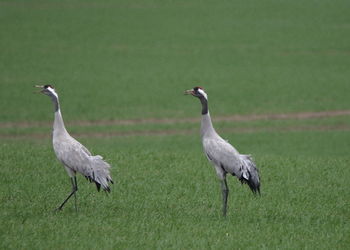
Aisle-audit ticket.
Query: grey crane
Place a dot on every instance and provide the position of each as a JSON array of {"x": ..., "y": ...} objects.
[
  {"x": 73, "y": 155},
  {"x": 224, "y": 157}
]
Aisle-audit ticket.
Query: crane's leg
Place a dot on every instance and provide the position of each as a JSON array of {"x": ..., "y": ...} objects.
[
  {"x": 225, "y": 191},
  {"x": 74, "y": 189},
  {"x": 75, "y": 194}
]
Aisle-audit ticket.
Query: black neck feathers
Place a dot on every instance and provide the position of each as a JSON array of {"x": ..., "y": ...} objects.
[
  {"x": 204, "y": 105},
  {"x": 55, "y": 103}
]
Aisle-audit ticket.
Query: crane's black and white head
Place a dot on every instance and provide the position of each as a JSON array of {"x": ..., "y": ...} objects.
[
  {"x": 197, "y": 92},
  {"x": 47, "y": 90},
  {"x": 201, "y": 95}
]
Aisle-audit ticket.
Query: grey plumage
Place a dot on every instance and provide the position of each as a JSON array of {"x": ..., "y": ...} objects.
[
  {"x": 73, "y": 155},
  {"x": 224, "y": 157}
]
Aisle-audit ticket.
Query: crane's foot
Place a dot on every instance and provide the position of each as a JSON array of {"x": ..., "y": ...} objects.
[
  {"x": 224, "y": 212},
  {"x": 74, "y": 190},
  {"x": 56, "y": 210}
]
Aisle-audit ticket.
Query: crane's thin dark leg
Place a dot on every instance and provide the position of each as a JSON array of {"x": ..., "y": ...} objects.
[
  {"x": 75, "y": 194},
  {"x": 74, "y": 189},
  {"x": 225, "y": 191}
]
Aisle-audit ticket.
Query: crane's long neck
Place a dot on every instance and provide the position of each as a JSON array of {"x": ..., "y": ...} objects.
[
  {"x": 204, "y": 103},
  {"x": 207, "y": 128},
  {"x": 58, "y": 124}
]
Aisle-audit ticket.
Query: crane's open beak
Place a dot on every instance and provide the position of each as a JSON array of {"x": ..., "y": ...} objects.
[
  {"x": 39, "y": 86},
  {"x": 189, "y": 92}
]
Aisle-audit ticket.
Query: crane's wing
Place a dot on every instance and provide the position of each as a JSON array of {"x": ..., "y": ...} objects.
[
  {"x": 223, "y": 155},
  {"x": 84, "y": 148},
  {"x": 79, "y": 159}
]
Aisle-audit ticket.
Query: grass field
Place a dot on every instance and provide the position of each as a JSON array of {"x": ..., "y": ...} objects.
[{"x": 120, "y": 68}]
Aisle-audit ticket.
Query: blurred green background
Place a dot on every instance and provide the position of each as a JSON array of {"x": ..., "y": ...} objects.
[{"x": 132, "y": 59}]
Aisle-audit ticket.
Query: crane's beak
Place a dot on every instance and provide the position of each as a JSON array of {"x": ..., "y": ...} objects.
[
  {"x": 189, "y": 92},
  {"x": 38, "y": 86}
]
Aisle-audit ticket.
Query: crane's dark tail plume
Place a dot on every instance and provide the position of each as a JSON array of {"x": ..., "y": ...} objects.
[
  {"x": 98, "y": 185},
  {"x": 250, "y": 174},
  {"x": 99, "y": 173}
]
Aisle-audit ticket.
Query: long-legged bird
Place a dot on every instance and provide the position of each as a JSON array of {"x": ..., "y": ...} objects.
[
  {"x": 73, "y": 155},
  {"x": 224, "y": 157}
]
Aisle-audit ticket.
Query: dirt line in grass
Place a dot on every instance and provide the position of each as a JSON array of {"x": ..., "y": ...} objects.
[
  {"x": 184, "y": 132},
  {"x": 237, "y": 118}
]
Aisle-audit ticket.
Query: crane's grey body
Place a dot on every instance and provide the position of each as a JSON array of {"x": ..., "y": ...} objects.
[
  {"x": 224, "y": 157},
  {"x": 73, "y": 155},
  {"x": 77, "y": 158}
]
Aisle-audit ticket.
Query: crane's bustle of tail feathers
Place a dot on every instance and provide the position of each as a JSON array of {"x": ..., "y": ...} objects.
[
  {"x": 100, "y": 173},
  {"x": 250, "y": 174}
]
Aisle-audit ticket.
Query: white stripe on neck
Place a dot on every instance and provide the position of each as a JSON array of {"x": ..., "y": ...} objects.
[
  {"x": 52, "y": 91},
  {"x": 201, "y": 91}
]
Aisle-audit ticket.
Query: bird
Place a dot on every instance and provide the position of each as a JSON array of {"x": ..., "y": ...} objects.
[
  {"x": 223, "y": 156},
  {"x": 74, "y": 156}
]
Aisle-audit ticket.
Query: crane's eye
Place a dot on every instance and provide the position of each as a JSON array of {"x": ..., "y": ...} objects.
[{"x": 48, "y": 86}]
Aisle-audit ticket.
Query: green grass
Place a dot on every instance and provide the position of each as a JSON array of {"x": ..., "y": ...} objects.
[
  {"x": 181, "y": 126},
  {"x": 116, "y": 60},
  {"x": 166, "y": 196},
  {"x": 109, "y": 59}
]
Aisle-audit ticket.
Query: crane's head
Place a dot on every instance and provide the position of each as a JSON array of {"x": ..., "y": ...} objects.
[
  {"x": 197, "y": 92},
  {"x": 47, "y": 90},
  {"x": 201, "y": 95}
]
